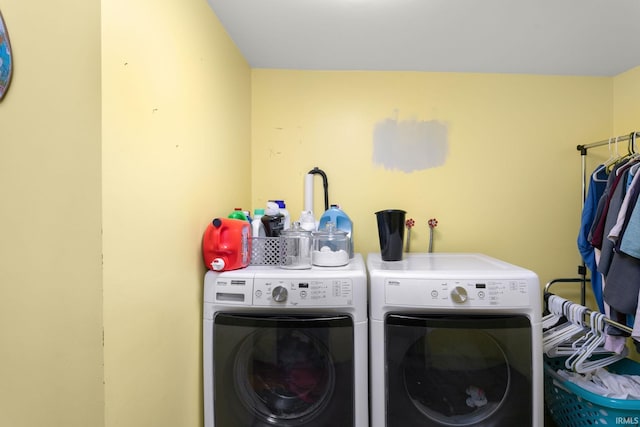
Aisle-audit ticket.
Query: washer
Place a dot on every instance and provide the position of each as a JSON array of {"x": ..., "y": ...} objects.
[
  {"x": 456, "y": 340},
  {"x": 286, "y": 347}
]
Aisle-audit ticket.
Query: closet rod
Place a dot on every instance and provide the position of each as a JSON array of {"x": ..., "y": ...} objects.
[
  {"x": 588, "y": 311},
  {"x": 584, "y": 147},
  {"x": 583, "y": 154},
  {"x": 608, "y": 321}
]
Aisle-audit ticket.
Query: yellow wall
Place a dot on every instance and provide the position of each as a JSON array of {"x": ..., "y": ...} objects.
[
  {"x": 626, "y": 91},
  {"x": 51, "y": 362},
  {"x": 121, "y": 141},
  {"x": 510, "y": 186},
  {"x": 626, "y": 113},
  {"x": 111, "y": 168},
  {"x": 176, "y": 153}
]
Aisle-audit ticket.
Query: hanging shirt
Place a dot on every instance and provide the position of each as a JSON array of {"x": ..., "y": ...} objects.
[
  {"x": 595, "y": 232},
  {"x": 597, "y": 186},
  {"x": 626, "y": 209},
  {"x": 629, "y": 242},
  {"x": 623, "y": 284},
  {"x": 615, "y": 202}
]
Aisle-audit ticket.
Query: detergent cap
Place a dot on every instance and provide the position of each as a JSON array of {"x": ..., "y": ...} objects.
[
  {"x": 272, "y": 209},
  {"x": 238, "y": 214},
  {"x": 217, "y": 264}
]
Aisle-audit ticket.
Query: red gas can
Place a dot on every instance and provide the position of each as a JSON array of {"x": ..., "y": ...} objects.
[{"x": 226, "y": 244}]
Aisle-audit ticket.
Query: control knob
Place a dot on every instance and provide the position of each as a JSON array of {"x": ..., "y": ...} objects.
[
  {"x": 279, "y": 294},
  {"x": 459, "y": 295}
]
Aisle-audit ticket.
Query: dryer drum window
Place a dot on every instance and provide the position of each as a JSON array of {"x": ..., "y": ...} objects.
[
  {"x": 284, "y": 374},
  {"x": 282, "y": 371},
  {"x": 454, "y": 371}
]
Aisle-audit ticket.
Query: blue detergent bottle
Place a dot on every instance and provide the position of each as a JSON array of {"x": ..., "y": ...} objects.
[{"x": 342, "y": 221}]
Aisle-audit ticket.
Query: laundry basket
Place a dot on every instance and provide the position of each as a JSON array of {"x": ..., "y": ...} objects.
[{"x": 572, "y": 406}]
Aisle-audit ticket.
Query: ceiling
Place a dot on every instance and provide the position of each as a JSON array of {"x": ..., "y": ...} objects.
[{"x": 558, "y": 37}]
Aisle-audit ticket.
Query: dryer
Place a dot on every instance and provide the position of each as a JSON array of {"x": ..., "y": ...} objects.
[
  {"x": 286, "y": 347},
  {"x": 455, "y": 340}
]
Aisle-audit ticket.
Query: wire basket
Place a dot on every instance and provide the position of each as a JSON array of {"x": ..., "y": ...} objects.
[
  {"x": 572, "y": 406},
  {"x": 265, "y": 251}
]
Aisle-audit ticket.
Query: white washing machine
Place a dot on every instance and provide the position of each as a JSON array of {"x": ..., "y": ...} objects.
[
  {"x": 455, "y": 340},
  {"x": 286, "y": 347}
]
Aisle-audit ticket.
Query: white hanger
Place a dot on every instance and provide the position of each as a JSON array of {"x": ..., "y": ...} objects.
[
  {"x": 567, "y": 331},
  {"x": 554, "y": 305},
  {"x": 581, "y": 349},
  {"x": 613, "y": 157},
  {"x": 575, "y": 338},
  {"x": 582, "y": 363},
  {"x": 571, "y": 346}
]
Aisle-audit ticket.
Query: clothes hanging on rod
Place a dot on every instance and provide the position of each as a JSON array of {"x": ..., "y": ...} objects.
[
  {"x": 590, "y": 206},
  {"x": 615, "y": 237},
  {"x": 611, "y": 201},
  {"x": 622, "y": 274},
  {"x": 594, "y": 214}
]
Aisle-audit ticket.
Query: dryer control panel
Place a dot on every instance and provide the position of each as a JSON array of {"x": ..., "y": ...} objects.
[{"x": 458, "y": 293}]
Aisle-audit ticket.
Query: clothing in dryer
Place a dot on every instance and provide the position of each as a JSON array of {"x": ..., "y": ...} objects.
[
  {"x": 285, "y": 374},
  {"x": 294, "y": 371}
]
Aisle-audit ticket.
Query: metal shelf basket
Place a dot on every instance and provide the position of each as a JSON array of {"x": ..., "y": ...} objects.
[{"x": 265, "y": 251}]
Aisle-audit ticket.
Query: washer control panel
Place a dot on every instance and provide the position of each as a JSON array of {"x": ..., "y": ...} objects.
[
  {"x": 307, "y": 292},
  {"x": 286, "y": 292},
  {"x": 458, "y": 293}
]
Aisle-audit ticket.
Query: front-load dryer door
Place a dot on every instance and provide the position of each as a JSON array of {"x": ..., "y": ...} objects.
[
  {"x": 458, "y": 370},
  {"x": 282, "y": 371}
]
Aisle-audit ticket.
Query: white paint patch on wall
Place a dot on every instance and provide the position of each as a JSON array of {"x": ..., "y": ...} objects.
[{"x": 410, "y": 145}]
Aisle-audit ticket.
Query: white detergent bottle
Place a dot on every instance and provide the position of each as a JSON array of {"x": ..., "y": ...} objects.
[
  {"x": 257, "y": 228},
  {"x": 342, "y": 221}
]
